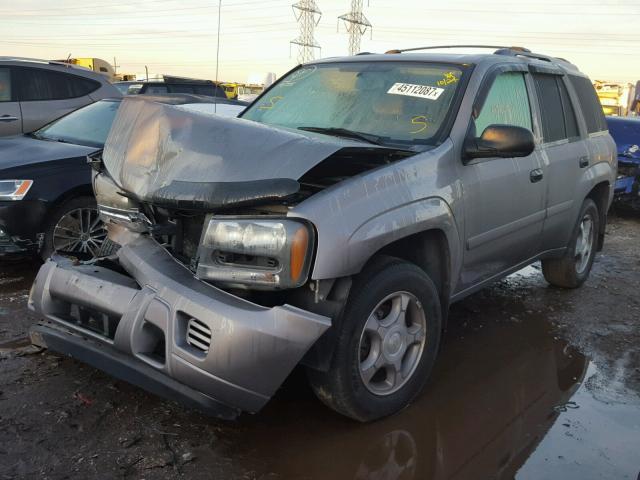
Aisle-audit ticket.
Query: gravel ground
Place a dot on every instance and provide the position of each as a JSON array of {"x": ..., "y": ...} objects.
[{"x": 532, "y": 382}]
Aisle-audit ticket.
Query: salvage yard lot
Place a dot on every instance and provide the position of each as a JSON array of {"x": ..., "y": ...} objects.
[{"x": 532, "y": 381}]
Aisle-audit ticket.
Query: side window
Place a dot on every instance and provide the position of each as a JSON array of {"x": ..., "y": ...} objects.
[
  {"x": 507, "y": 103},
  {"x": 39, "y": 84},
  {"x": 570, "y": 121},
  {"x": 5, "y": 84},
  {"x": 589, "y": 104},
  {"x": 154, "y": 89},
  {"x": 204, "y": 90},
  {"x": 553, "y": 122},
  {"x": 181, "y": 89},
  {"x": 81, "y": 86}
]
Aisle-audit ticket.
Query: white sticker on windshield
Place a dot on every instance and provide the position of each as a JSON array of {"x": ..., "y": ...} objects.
[{"x": 420, "y": 91}]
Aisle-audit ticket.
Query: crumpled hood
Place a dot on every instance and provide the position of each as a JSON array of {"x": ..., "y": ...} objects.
[
  {"x": 23, "y": 150},
  {"x": 153, "y": 145}
]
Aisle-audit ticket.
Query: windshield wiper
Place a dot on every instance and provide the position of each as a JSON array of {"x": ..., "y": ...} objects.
[{"x": 343, "y": 132}]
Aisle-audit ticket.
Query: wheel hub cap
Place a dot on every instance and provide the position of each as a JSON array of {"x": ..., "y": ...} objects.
[{"x": 393, "y": 343}]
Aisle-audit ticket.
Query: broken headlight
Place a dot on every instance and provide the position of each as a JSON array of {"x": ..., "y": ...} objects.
[{"x": 259, "y": 253}]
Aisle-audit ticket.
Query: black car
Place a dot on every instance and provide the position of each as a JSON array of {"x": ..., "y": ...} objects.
[
  {"x": 172, "y": 85},
  {"x": 46, "y": 196},
  {"x": 46, "y": 200}
]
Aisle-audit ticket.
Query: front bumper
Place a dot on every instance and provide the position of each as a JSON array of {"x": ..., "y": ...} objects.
[{"x": 139, "y": 325}]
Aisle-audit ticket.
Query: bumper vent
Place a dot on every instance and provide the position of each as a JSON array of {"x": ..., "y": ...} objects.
[{"x": 198, "y": 335}]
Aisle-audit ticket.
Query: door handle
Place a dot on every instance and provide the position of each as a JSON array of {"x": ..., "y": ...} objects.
[
  {"x": 8, "y": 118},
  {"x": 536, "y": 175},
  {"x": 583, "y": 162}
]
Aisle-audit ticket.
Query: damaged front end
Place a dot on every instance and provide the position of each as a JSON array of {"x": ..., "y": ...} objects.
[
  {"x": 191, "y": 300},
  {"x": 626, "y": 133},
  {"x": 627, "y": 187}
]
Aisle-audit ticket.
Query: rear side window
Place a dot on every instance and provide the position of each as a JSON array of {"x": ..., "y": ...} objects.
[
  {"x": 589, "y": 104},
  {"x": 5, "y": 85},
  {"x": 38, "y": 84},
  {"x": 553, "y": 128},
  {"x": 210, "y": 91},
  {"x": 507, "y": 103},
  {"x": 558, "y": 117},
  {"x": 570, "y": 121},
  {"x": 154, "y": 89},
  {"x": 181, "y": 89}
]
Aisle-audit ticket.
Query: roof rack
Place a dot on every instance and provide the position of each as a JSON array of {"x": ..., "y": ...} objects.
[
  {"x": 436, "y": 47},
  {"x": 498, "y": 50}
]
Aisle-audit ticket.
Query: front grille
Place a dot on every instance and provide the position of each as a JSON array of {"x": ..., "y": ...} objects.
[{"x": 198, "y": 335}]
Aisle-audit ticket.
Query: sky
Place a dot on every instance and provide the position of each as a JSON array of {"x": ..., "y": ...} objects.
[{"x": 601, "y": 37}]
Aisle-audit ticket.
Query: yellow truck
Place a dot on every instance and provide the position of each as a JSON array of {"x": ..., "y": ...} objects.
[
  {"x": 94, "y": 64},
  {"x": 615, "y": 98}
]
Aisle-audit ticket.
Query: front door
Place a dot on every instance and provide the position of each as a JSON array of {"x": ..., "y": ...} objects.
[
  {"x": 10, "y": 116},
  {"x": 504, "y": 198}
]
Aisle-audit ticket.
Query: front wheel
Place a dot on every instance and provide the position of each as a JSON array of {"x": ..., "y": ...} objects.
[
  {"x": 386, "y": 343},
  {"x": 571, "y": 270},
  {"x": 74, "y": 228}
]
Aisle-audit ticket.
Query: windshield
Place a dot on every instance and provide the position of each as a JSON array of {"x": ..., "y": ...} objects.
[
  {"x": 87, "y": 126},
  {"x": 400, "y": 103}
]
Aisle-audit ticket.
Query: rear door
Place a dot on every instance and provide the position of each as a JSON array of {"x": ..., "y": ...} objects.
[
  {"x": 564, "y": 153},
  {"x": 504, "y": 198},
  {"x": 10, "y": 115},
  {"x": 46, "y": 95}
]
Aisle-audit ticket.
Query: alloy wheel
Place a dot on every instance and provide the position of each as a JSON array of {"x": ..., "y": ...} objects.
[
  {"x": 584, "y": 243},
  {"x": 391, "y": 343},
  {"x": 79, "y": 231}
]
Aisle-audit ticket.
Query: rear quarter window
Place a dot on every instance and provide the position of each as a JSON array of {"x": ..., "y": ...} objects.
[
  {"x": 589, "y": 104},
  {"x": 39, "y": 84},
  {"x": 5, "y": 84}
]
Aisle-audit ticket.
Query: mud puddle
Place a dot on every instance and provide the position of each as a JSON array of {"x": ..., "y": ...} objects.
[{"x": 506, "y": 400}]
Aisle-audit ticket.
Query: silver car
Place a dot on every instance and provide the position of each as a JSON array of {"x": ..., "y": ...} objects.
[
  {"x": 331, "y": 226},
  {"x": 36, "y": 92}
]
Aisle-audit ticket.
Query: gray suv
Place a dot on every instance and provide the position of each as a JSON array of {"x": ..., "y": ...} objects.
[
  {"x": 36, "y": 92},
  {"x": 331, "y": 226}
]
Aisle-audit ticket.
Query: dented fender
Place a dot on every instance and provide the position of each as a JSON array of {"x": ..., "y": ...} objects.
[{"x": 363, "y": 214}]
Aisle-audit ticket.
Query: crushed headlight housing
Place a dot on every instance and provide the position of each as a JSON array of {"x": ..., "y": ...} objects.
[
  {"x": 115, "y": 207},
  {"x": 255, "y": 252},
  {"x": 14, "y": 189}
]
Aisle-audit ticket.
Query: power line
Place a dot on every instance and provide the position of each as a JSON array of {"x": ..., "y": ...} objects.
[
  {"x": 356, "y": 24},
  {"x": 308, "y": 16}
]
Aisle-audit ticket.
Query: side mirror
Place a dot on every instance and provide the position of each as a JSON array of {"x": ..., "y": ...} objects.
[{"x": 504, "y": 141}]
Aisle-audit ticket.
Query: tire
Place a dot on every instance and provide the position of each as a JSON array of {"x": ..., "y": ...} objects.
[
  {"x": 349, "y": 386},
  {"x": 572, "y": 269},
  {"x": 65, "y": 220}
]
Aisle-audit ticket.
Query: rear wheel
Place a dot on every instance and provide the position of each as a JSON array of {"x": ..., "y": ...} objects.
[
  {"x": 571, "y": 270},
  {"x": 74, "y": 228},
  {"x": 387, "y": 342}
]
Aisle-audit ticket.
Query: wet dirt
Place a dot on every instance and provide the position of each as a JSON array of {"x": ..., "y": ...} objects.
[{"x": 532, "y": 382}]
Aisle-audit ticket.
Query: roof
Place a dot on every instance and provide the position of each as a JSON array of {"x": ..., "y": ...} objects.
[
  {"x": 54, "y": 65},
  {"x": 500, "y": 55},
  {"x": 42, "y": 61}
]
